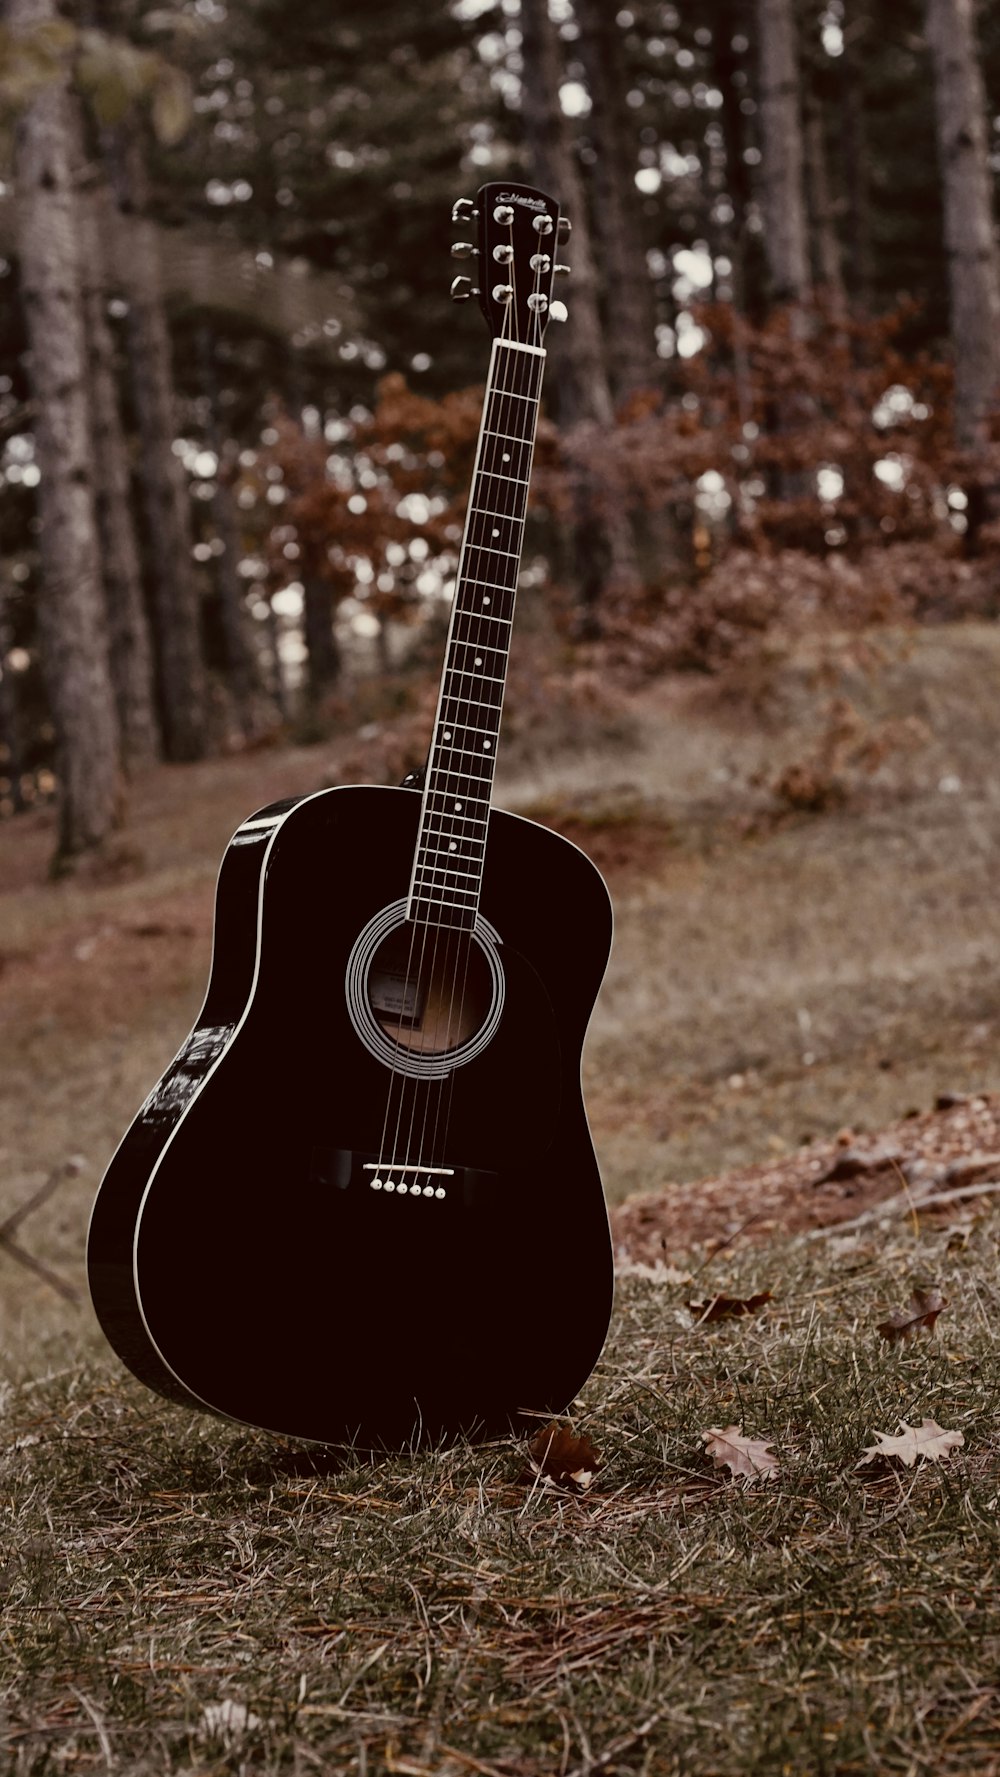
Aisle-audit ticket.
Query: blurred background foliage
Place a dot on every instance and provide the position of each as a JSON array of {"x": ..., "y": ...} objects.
[{"x": 225, "y": 229}]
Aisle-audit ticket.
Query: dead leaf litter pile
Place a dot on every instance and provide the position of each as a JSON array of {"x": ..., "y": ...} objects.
[{"x": 765, "y": 1540}]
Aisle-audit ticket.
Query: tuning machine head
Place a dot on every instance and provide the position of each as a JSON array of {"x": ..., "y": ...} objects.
[
  {"x": 463, "y": 210},
  {"x": 463, "y": 250},
  {"x": 462, "y": 289}
]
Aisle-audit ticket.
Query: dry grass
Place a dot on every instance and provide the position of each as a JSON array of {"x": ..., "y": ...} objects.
[{"x": 438, "y": 1615}]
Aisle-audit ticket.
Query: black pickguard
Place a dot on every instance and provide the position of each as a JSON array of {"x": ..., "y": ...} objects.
[{"x": 240, "y": 1261}]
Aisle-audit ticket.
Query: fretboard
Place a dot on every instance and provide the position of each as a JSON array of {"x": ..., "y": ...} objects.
[{"x": 454, "y": 820}]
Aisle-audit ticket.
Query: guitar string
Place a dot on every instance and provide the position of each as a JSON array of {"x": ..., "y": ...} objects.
[
  {"x": 533, "y": 391},
  {"x": 422, "y": 981},
  {"x": 462, "y": 942},
  {"x": 493, "y": 409}
]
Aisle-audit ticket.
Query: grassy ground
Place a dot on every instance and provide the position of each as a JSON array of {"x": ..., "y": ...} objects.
[
  {"x": 440, "y": 1614},
  {"x": 776, "y": 975}
]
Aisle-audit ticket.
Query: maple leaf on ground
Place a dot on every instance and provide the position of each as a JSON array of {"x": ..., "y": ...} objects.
[
  {"x": 905, "y": 1323},
  {"x": 751, "y": 1457},
  {"x": 561, "y": 1459},
  {"x": 926, "y": 1439},
  {"x": 723, "y": 1307}
]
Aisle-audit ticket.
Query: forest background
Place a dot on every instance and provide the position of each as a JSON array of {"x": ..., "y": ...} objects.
[{"x": 237, "y": 415}]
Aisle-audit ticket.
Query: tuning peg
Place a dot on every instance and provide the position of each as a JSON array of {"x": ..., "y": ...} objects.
[
  {"x": 564, "y": 228},
  {"x": 463, "y": 250},
  {"x": 461, "y": 289},
  {"x": 561, "y": 271},
  {"x": 558, "y": 311},
  {"x": 463, "y": 210}
]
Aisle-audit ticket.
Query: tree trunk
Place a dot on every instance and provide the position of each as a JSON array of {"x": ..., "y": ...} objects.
[
  {"x": 603, "y": 547},
  {"x": 584, "y": 386},
  {"x": 826, "y": 261},
  {"x": 131, "y": 647},
  {"x": 10, "y": 726},
  {"x": 72, "y": 618},
  {"x": 786, "y": 240},
  {"x": 629, "y": 304},
  {"x": 176, "y": 616},
  {"x": 970, "y": 235},
  {"x": 322, "y": 651},
  {"x": 856, "y": 155},
  {"x": 244, "y": 677}
]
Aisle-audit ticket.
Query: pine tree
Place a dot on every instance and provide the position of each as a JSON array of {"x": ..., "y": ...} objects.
[
  {"x": 176, "y": 617},
  {"x": 602, "y": 544},
  {"x": 786, "y": 239},
  {"x": 130, "y": 643},
  {"x": 628, "y": 291},
  {"x": 970, "y": 232},
  {"x": 72, "y": 615}
]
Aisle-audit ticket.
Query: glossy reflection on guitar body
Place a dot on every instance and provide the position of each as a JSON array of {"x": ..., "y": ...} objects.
[{"x": 362, "y": 1204}]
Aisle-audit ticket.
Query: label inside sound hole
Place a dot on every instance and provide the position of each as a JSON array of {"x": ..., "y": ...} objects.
[{"x": 394, "y": 995}]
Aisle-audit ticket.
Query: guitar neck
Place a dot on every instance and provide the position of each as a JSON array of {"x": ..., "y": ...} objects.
[{"x": 454, "y": 820}]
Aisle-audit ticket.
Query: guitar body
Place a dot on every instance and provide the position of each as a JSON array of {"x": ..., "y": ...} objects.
[{"x": 252, "y": 1250}]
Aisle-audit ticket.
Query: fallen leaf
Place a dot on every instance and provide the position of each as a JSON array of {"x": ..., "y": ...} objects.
[
  {"x": 723, "y": 1307},
  {"x": 657, "y": 1273},
  {"x": 926, "y": 1439},
  {"x": 752, "y": 1457},
  {"x": 904, "y": 1323},
  {"x": 562, "y": 1459},
  {"x": 228, "y": 1720}
]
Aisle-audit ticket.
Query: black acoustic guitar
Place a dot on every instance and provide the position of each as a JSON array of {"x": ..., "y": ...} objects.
[{"x": 362, "y": 1204}]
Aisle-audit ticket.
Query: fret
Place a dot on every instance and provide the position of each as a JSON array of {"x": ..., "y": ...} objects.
[
  {"x": 524, "y": 443},
  {"x": 465, "y": 776},
  {"x": 488, "y": 549},
  {"x": 470, "y": 672},
  {"x": 485, "y": 512},
  {"x": 475, "y": 702},
  {"x": 468, "y": 753},
  {"x": 453, "y": 837},
  {"x": 449, "y": 797},
  {"x": 439, "y": 870},
  {"x": 470, "y": 728},
  {"x": 493, "y": 588},
  {"x": 477, "y": 647},
  {"x": 431, "y": 919},
  {"x": 495, "y": 475}
]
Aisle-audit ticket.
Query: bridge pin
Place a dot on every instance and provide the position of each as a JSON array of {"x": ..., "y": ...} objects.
[
  {"x": 389, "y": 1185},
  {"x": 440, "y": 1192},
  {"x": 428, "y": 1190},
  {"x": 376, "y": 1184}
]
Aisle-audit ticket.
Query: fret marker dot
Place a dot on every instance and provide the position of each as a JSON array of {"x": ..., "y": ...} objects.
[
  {"x": 447, "y": 734},
  {"x": 458, "y": 807},
  {"x": 486, "y": 745},
  {"x": 495, "y": 533},
  {"x": 485, "y": 599},
  {"x": 506, "y": 457},
  {"x": 453, "y": 846},
  {"x": 479, "y": 660}
]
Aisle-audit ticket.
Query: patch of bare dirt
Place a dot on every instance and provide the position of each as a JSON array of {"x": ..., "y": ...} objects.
[{"x": 929, "y": 1165}]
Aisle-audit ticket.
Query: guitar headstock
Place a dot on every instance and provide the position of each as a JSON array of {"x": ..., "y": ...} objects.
[{"x": 518, "y": 232}]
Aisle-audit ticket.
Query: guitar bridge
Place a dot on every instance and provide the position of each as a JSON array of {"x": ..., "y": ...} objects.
[{"x": 347, "y": 1170}]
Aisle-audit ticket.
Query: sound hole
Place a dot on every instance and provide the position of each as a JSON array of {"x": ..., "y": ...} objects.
[{"x": 429, "y": 990}]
